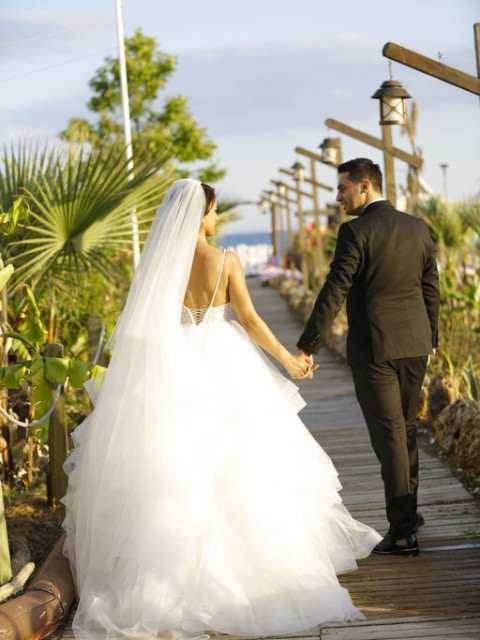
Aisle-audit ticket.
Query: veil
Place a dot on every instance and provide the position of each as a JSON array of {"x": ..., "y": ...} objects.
[
  {"x": 154, "y": 302},
  {"x": 111, "y": 465}
]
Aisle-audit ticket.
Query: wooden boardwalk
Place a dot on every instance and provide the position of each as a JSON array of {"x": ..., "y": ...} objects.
[{"x": 435, "y": 595}]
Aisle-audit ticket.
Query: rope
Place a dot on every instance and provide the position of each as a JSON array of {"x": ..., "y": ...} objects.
[
  {"x": 99, "y": 346},
  {"x": 10, "y": 418},
  {"x": 29, "y": 425}
]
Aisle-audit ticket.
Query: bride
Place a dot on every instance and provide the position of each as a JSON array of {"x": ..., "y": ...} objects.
[{"x": 198, "y": 503}]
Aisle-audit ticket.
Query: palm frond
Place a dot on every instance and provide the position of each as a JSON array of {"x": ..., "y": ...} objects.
[{"x": 81, "y": 207}]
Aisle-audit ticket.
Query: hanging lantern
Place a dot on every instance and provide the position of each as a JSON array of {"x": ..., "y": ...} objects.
[
  {"x": 298, "y": 169},
  {"x": 392, "y": 97},
  {"x": 282, "y": 189},
  {"x": 263, "y": 204},
  {"x": 331, "y": 151}
]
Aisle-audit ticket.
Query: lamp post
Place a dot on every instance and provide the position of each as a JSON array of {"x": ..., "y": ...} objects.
[
  {"x": 298, "y": 175},
  {"x": 391, "y": 96},
  {"x": 282, "y": 198},
  {"x": 126, "y": 124},
  {"x": 318, "y": 236},
  {"x": 269, "y": 200},
  {"x": 272, "y": 197}
]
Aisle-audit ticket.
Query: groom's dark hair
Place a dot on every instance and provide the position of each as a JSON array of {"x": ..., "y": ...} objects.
[{"x": 360, "y": 169}]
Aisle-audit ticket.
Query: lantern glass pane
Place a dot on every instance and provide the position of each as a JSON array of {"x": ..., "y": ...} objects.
[
  {"x": 330, "y": 155},
  {"x": 392, "y": 110}
]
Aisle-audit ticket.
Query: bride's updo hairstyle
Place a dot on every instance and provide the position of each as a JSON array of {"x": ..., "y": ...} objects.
[{"x": 209, "y": 197}]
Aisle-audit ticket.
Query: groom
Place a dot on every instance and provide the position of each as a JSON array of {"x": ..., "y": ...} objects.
[{"x": 385, "y": 266}]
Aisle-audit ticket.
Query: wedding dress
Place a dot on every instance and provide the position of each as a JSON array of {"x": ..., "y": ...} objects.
[{"x": 198, "y": 502}]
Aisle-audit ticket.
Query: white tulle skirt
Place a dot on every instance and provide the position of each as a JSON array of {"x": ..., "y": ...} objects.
[{"x": 198, "y": 503}]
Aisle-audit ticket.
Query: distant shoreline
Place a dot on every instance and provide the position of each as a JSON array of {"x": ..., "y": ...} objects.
[{"x": 251, "y": 238}]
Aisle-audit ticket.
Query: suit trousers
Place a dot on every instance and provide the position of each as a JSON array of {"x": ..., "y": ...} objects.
[{"x": 388, "y": 394}]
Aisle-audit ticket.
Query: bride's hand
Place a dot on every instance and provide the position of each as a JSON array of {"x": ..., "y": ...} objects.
[{"x": 300, "y": 365}]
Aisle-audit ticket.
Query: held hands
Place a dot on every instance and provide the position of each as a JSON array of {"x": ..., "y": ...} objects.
[{"x": 301, "y": 365}]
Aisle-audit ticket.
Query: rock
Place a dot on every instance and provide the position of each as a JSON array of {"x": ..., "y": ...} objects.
[
  {"x": 450, "y": 423},
  {"x": 442, "y": 391},
  {"x": 422, "y": 412},
  {"x": 467, "y": 447}
]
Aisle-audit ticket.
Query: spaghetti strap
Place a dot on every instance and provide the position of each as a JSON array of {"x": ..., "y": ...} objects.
[{"x": 218, "y": 279}]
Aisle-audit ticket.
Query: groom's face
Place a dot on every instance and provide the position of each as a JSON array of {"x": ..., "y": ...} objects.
[{"x": 351, "y": 195}]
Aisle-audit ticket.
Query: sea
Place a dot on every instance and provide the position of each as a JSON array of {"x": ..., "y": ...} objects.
[
  {"x": 249, "y": 238},
  {"x": 254, "y": 249}
]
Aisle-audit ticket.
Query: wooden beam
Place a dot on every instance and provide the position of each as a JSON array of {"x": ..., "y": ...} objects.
[
  {"x": 284, "y": 197},
  {"x": 412, "y": 160},
  {"x": 313, "y": 156},
  {"x": 309, "y": 180},
  {"x": 431, "y": 67},
  {"x": 476, "y": 35},
  {"x": 290, "y": 173}
]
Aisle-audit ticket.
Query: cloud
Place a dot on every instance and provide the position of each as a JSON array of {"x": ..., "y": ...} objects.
[
  {"x": 42, "y": 120},
  {"x": 265, "y": 87},
  {"x": 271, "y": 87},
  {"x": 33, "y": 35}
]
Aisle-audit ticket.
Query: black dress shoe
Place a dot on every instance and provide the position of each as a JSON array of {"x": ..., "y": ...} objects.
[
  {"x": 407, "y": 546},
  {"x": 419, "y": 520}
]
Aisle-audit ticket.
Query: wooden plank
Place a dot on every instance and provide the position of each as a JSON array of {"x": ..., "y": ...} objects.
[
  {"x": 432, "y": 596},
  {"x": 431, "y": 67}
]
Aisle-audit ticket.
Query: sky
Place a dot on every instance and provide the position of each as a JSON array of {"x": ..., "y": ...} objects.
[{"x": 262, "y": 76}]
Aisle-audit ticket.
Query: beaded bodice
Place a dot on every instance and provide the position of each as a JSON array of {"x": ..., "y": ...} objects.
[{"x": 208, "y": 314}]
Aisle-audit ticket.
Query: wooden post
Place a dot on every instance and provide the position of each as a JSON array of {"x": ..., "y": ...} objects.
[
  {"x": 476, "y": 36},
  {"x": 57, "y": 438},
  {"x": 273, "y": 206},
  {"x": 390, "y": 190},
  {"x": 5, "y": 564},
  {"x": 301, "y": 239},
  {"x": 94, "y": 324},
  {"x": 289, "y": 222},
  {"x": 318, "y": 238},
  {"x": 281, "y": 230}
]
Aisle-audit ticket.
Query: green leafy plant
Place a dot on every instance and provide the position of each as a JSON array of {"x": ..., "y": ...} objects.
[{"x": 173, "y": 130}]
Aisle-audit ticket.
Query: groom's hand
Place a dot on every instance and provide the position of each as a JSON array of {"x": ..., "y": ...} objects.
[{"x": 308, "y": 359}]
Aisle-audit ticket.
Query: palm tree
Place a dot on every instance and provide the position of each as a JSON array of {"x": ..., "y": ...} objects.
[
  {"x": 470, "y": 214},
  {"x": 81, "y": 205},
  {"x": 447, "y": 229}
]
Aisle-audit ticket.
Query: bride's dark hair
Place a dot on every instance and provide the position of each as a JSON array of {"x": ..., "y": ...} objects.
[{"x": 209, "y": 196}]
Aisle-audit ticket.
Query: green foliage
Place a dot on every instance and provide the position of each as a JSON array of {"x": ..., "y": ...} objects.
[
  {"x": 18, "y": 214},
  {"x": 453, "y": 228},
  {"x": 172, "y": 130},
  {"x": 81, "y": 210},
  {"x": 447, "y": 228},
  {"x": 471, "y": 381},
  {"x": 40, "y": 373},
  {"x": 21, "y": 167}
]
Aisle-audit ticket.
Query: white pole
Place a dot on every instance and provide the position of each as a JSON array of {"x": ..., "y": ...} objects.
[{"x": 126, "y": 123}]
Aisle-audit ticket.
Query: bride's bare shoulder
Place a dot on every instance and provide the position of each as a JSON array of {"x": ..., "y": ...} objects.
[{"x": 232, "y": 260}]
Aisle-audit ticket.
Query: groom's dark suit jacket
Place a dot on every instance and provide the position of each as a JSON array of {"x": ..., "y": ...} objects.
[{"x": 384, "y": 264}]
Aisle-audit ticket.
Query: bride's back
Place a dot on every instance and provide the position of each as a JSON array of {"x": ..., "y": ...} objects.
[{"x": 203, "y": 279}]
